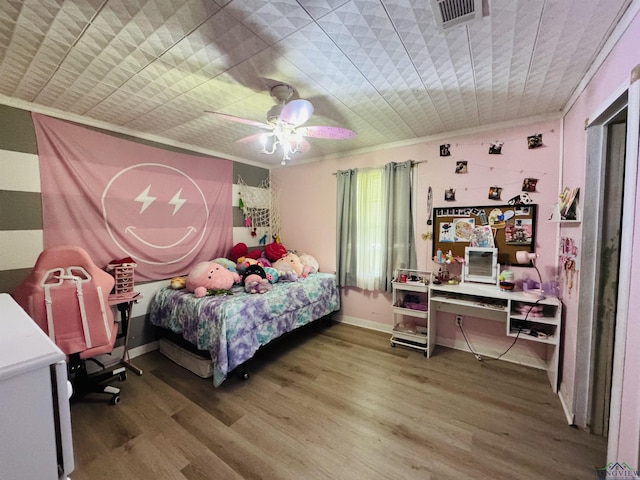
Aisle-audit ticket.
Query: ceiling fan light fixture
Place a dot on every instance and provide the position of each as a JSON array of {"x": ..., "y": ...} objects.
[
  {"x": 273, "y": 115},
  {"x": 285, "y": 120}
]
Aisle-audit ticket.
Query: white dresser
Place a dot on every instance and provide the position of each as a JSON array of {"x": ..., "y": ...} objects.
[{"x": 34, "y": 400}]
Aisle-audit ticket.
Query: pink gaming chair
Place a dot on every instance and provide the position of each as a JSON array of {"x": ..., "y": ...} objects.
[{"x": 67, "y": 296}]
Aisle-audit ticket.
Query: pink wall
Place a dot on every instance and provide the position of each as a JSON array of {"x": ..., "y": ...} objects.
[
  {"x": 308, "y": 206},
  {"x": 614, "y": 72},
  {"x": 309, "y": 224}
]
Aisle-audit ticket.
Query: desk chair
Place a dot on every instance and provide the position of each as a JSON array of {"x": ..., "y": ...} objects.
[{"x": 66, "y": 294}]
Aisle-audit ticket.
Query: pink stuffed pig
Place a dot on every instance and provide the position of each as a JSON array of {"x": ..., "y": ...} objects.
[{"x": 210, "y": 276}]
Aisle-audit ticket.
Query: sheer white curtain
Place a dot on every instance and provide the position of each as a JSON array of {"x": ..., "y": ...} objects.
[
  {"x": 374, "y": 225},
  {"x": 370, "y": 241}
]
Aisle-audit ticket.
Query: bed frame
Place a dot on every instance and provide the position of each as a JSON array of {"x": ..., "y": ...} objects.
[{"x": 231, "y": 329}]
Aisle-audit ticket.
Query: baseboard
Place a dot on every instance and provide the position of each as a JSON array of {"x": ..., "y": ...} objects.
[
  {"x": 488, "y": 350},
  {"x": 113, "y": 358},
  {"x": 567, "y": 407},
  {"x": 482, "y": 349},
  {"x": 142, "y": 349},
  {"x": 359, "y": 322}
]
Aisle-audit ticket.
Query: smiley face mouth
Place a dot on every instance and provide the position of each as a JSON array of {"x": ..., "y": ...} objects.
[{"x": 131, "y": 230}]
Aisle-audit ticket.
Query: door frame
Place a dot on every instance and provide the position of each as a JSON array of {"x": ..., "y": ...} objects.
[{"x": 628, "y": 96}]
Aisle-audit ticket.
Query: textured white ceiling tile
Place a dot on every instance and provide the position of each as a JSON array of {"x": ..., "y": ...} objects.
[
  {"x": 92, "y": 98},
  {"x": 380, "y": 68},
  {"x": 273, "y": 19},
  {"x": 217, "y": 45},
  {"x": 9, "y": 14},
  {"x": 162, "y": 119},
  {"x": 48, "y": 94},
  {"x": 11, "y": 76},
  {"x": 319, "y": 8}
]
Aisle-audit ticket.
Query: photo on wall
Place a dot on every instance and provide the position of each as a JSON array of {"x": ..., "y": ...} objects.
[
  {"x": 495, "y": 193},
  {"x": 461, "y": 166},
  {"x": 534, "y": 141},
  {"x": 450, "y": 195},
  {"x": 529, "y": 184},
  {"x": 518, "y": 232},
  {"x": 495, "y": 148},
  {"x": 444, "y": 150}
]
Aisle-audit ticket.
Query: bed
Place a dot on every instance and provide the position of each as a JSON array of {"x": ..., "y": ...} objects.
[{"x": 233, "y": 327}]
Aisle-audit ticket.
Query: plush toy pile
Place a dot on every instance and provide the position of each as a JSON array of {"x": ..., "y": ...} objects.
[{"x": 256, "y": 271}]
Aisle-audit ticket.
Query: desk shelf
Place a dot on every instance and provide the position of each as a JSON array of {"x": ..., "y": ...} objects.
[
  {"x": 410, "y": 324},
  {"x": 525, "y": 336},
  {"x": 531, "y": 316},
  {"x": 520, "y": 313}
]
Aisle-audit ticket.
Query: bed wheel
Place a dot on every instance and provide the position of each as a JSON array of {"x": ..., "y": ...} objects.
[
  {"x": 244, "y": 376},
  {"x": 392, "y": 344},
  {"x": 115, "y": 400}
]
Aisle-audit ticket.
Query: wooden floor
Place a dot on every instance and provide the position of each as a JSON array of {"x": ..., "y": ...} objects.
[{"x": 335, "y": 403}]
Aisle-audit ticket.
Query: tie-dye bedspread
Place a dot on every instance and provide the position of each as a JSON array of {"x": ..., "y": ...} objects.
[{"x": 232, "y": 328}]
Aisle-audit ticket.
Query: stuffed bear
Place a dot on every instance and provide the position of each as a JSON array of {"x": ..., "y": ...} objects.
[{"x": 210, "y": 276}]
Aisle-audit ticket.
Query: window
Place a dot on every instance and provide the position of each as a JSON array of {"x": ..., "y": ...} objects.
[{"x": 374, "y": 225}]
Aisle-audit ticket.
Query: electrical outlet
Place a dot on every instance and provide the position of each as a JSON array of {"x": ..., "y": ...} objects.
[{"x": 459, "y": 320}]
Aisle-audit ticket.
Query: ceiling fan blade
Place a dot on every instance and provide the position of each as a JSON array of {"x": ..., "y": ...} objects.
[
  {"x": 335, "y": 133},
  {"x": 250, "y": 138},
  {"x": 296, "y": 112},
  {"x": 233, "y": 118},
  {"x": 304, "y": 146}
]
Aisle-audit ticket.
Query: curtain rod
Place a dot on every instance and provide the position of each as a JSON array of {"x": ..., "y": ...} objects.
[{"x": 413, "y": 164}]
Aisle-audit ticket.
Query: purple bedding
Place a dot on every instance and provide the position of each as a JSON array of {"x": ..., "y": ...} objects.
[{"x": 232, "y": 328}]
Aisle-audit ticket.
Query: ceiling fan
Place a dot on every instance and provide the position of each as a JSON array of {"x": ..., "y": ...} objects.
[{"x": 284, "y": 122}]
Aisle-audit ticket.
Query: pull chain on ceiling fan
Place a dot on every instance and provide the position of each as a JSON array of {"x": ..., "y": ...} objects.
[{"x": 285, "y": 120}]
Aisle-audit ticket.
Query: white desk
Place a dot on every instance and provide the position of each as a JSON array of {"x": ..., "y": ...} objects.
[{"x": 518, "y": 310}]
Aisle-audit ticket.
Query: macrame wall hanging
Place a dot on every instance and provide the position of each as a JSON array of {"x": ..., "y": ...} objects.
[{"x": 261, "y": 208}]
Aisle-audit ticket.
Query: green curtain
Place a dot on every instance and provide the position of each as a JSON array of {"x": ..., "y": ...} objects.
[
  {"x": 399, "y": 249},
  {"x": 347, "y": 235},
  {"x": 400, "y": 244}
]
